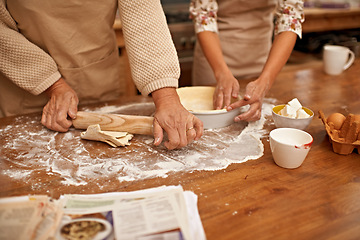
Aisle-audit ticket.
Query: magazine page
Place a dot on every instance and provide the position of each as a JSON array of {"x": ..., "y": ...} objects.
[
  {"x": 145, "y": 217},
  {"x": 143, "y": 214},
  {"x": 28, "y": 217},
  {"x": 162, "y": 213}
]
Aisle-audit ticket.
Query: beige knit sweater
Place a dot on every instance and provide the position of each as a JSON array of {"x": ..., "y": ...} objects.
[{"x": 41, "y": 41}]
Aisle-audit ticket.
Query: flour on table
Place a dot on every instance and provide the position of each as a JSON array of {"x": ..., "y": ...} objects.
[{"x": 43, "y": 150}]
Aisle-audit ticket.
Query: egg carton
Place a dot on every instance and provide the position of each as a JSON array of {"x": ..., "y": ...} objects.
[{"x": 340, "y": 145}]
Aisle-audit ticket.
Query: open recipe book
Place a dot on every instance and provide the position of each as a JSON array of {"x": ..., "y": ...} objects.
[{"x": 158, "y": 213}]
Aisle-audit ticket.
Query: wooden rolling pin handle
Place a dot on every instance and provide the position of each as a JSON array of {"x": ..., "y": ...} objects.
[{"x": 115, "y": 122}]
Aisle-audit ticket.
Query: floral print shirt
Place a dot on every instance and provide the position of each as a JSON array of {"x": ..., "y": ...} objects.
[{"x": 289, "y": 15}]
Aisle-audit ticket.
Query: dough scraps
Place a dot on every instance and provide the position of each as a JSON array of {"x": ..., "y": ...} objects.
[{"x": 114, "y": 139}]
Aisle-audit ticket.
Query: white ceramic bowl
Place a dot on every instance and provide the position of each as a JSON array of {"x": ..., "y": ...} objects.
[
  {"x": 289, "y": 146},
  {"x": 288, "y": 122},
  {"x": 199, "y": 101}
]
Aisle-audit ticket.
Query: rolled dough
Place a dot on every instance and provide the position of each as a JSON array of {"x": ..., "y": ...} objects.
[{"x": 114, "y": 139}]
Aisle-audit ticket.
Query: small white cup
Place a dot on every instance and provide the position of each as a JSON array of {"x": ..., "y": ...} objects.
[
  {"x": 290, "y": 146},
  {"x": 337, "y": 59}
]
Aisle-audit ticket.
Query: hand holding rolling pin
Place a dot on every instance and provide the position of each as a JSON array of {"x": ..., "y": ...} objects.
[
  {"x": 181, "y": 126},
  {"x": 62, "y": 103}
]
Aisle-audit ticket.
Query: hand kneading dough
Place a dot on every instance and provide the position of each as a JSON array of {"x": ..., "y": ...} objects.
[{"x": 114, "y": 139}]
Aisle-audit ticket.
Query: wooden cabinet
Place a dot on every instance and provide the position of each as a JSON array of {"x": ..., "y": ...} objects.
[{"x": 319, "y": 20}]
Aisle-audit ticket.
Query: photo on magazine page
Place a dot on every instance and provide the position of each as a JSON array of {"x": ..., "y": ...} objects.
[{"x": 97, "y": 226}]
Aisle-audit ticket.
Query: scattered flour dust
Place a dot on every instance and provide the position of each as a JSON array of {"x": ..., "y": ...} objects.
[{"x": 43, "y": 150}]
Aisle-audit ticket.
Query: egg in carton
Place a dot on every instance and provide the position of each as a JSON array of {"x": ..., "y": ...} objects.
[{"x": 344, "y": 132}]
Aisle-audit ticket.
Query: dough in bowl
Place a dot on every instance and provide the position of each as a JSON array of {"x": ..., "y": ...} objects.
[{"x": 199, "y": 101}]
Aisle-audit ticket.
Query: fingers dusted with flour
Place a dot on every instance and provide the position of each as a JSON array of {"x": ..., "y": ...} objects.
[
  {"x": 61, "y": 108},
  {"x": 171, "y": 117}
]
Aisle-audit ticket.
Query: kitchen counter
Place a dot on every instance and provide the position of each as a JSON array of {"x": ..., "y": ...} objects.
[
  {"x": 320, "y": 20},
  {"x": 255, "y": 199}
]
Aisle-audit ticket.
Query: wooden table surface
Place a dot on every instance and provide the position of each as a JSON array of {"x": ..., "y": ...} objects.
[{"x": 251, "y": 200}]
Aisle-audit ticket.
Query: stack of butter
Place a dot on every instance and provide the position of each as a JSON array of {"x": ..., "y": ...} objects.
[{"x": 293, "y": 109}]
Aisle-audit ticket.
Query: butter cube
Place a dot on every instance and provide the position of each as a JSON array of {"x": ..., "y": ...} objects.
[
  {"x": 301, "y": 114},
  {"x": 295, "y": 104},
  {"x": 293, "y": 109},
  {"x": 288, "y": 111}
]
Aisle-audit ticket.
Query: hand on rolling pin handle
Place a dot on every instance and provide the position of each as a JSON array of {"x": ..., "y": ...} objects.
[
  {"x": 181, "y": 126},
  {"x": 62, "y": 103}
]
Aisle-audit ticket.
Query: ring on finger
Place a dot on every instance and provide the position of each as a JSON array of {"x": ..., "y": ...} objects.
[{"x": 189, "y": 129}]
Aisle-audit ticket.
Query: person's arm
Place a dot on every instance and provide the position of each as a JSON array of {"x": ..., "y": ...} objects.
[
  {"x": 21, "y": 61},
  {"x": 204, "y": 15},
  {"x": 32, "y": 69},
  {"x": 227, "y": 85},
  {"x": 281, "y": 49},
  {"x": 256, "y": 90},
  {"x": 155, "y": 70},
  {"x": 289, "y": 17},
  {"x": 63, "y": 102},
  {"x": 181, "y": 127}
]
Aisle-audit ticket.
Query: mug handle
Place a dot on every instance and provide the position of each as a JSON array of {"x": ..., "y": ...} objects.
[{"x": 350, "y": 61}]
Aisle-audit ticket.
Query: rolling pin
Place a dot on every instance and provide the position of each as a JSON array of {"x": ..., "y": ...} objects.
[{"x": 115, "y": 122}]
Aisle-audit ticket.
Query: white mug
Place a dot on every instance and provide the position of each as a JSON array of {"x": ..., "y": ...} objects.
[{"x": 337, "y": 59}]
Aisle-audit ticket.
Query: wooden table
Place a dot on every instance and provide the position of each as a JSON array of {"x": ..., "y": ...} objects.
[{"x": 251, "y": 200}]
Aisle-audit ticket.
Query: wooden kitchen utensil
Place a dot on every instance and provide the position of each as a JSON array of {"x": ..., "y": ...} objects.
[{"x": 115, "y": 122}]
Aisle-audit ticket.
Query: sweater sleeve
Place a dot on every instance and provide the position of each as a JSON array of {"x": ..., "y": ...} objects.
[
  {"x": 152, "y": 54},
  {"x": 21, "y": 61}
]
